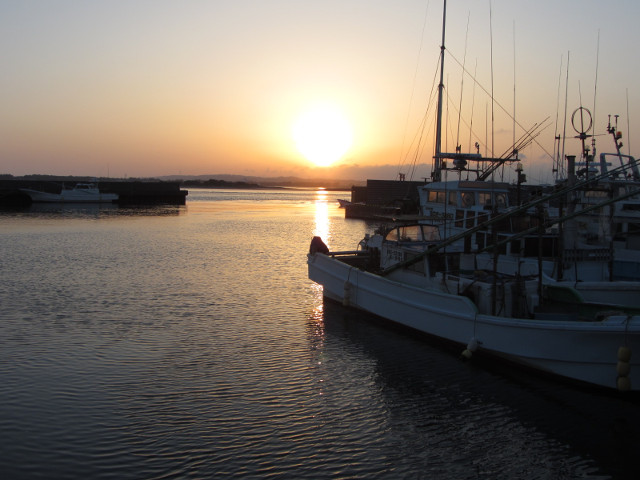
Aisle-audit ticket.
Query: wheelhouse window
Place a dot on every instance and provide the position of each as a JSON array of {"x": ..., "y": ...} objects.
[
  {"x": 468, "y": 199},
  {"x": 410, "y": 233},
  {"x": 436, "y": 197},
  {"x": 487, "y": 199},
  {"x": 430, "y": 233},
  {"x": 470, "y": 219},
  {"x": 596, "y": 194},
  {"x": 633, "y": 228},
  {"x": 484, "y": 199},
  {"x": 392, "y": 236},
  {"x": 414, "y": 233}
]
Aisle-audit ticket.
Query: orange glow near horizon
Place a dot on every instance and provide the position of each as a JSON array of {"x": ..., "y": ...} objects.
[{"x": 345, "y": 92}]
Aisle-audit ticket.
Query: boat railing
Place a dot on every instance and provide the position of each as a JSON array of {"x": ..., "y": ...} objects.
[
  {"x": 347, "y": 253},
  {"x": 632, "y": 164},
  {"x": 361, "y": 259}
]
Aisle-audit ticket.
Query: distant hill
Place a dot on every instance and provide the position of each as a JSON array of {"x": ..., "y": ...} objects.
[
  {"x": 244, "y": 180},
  {"x": 213, "y": 183},
  {"x": 338, "y": 178},
  {"x": 205, "y": 181}
]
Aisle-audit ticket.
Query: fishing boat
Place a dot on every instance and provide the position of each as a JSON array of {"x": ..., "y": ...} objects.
[
  {"x": 612, "y": 176},
  {"x": 80, "y": 193},
  {"x": 532, "y": 235},
  {"x": 495, "y": 298},
  {"x": 436, "y": 278}
]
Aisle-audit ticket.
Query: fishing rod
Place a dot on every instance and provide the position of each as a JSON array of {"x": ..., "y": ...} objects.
[{"x": 522, "y": 143}]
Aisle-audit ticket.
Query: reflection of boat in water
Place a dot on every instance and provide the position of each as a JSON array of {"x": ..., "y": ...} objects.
[
  {"x": 404, "y": 274},
  {"x": 80, "y": 193},
  {"x": 416, "y": 380}
]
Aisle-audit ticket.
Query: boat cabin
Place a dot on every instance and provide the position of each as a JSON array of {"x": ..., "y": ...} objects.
[
  {"x": 460, "y": 205},
  {"x": 468, "y": 203}
]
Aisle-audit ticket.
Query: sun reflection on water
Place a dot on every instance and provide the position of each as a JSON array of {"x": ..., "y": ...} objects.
[
  {"x": 322, "y": 216},
  {"x": 321, "y": 229},
  {"x": 316, "y": 335},
  {"x": 316, "y": 318}
]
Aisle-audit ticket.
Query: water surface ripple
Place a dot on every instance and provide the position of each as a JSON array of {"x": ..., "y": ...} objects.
[{"x": 188, "y": 342}]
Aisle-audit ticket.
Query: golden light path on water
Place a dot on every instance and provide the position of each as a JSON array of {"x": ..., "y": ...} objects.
[
  {"x": 322, "y": 216},
  {"x": 321, "y": 230}
]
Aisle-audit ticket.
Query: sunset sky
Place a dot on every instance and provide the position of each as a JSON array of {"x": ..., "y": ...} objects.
[{"x": 157, "y": 87}]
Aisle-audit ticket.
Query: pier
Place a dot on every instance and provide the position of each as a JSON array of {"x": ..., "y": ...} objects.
[
  {"x": 383, "y": 199},
  {"x": 130, "y": 192}
]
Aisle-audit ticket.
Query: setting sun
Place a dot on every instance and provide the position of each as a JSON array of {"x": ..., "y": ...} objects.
[{"x": 323, "y": 135}]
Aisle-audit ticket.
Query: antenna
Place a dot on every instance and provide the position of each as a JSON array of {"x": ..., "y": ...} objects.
[
  {"x": 413, "y": 89},
  {"x": 566, "y": 94},
  {"x": 464, "y": 61},
  {"x": 492, "y": 95},
  {"x": 595, "y": 91},
  {"x": 486, "y": 129},
  {"x": 557, "y": 162},
  {"x": 473, "y": 103},
  {"x": 628, "y": 127},
  {"x": 514, "y": 82},
  {"x": 437, "y": 165}
]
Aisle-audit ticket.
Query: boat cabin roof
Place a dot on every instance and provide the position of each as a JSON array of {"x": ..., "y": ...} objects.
[
  {"x": 465, "y": 185},
  {"x": 474, "y": 195}
]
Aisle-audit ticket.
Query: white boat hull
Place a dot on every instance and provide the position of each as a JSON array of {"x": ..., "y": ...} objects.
[{"x": 578, "y": 350}]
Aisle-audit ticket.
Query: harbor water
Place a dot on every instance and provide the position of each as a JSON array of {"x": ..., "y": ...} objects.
[{"x": 188, "y": 342}]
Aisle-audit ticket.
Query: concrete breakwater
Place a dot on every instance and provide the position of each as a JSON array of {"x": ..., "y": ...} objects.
[{"x": 130, "y": 192}]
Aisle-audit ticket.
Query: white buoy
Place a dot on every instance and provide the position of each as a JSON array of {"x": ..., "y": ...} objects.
[
  {"x": 472, "y": 346},
  {"x": 624, "y": 368},
  {"x": 623, "y": 384},
  {"x": 624, "y": 354}
]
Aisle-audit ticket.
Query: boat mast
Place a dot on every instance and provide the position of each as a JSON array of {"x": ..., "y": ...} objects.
[{"x": 437, "y": 160}]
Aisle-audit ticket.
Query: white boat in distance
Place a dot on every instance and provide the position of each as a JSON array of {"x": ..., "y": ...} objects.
[
  {"x": 80, "y": 193},
  {"x": 403, "y": 274}
]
